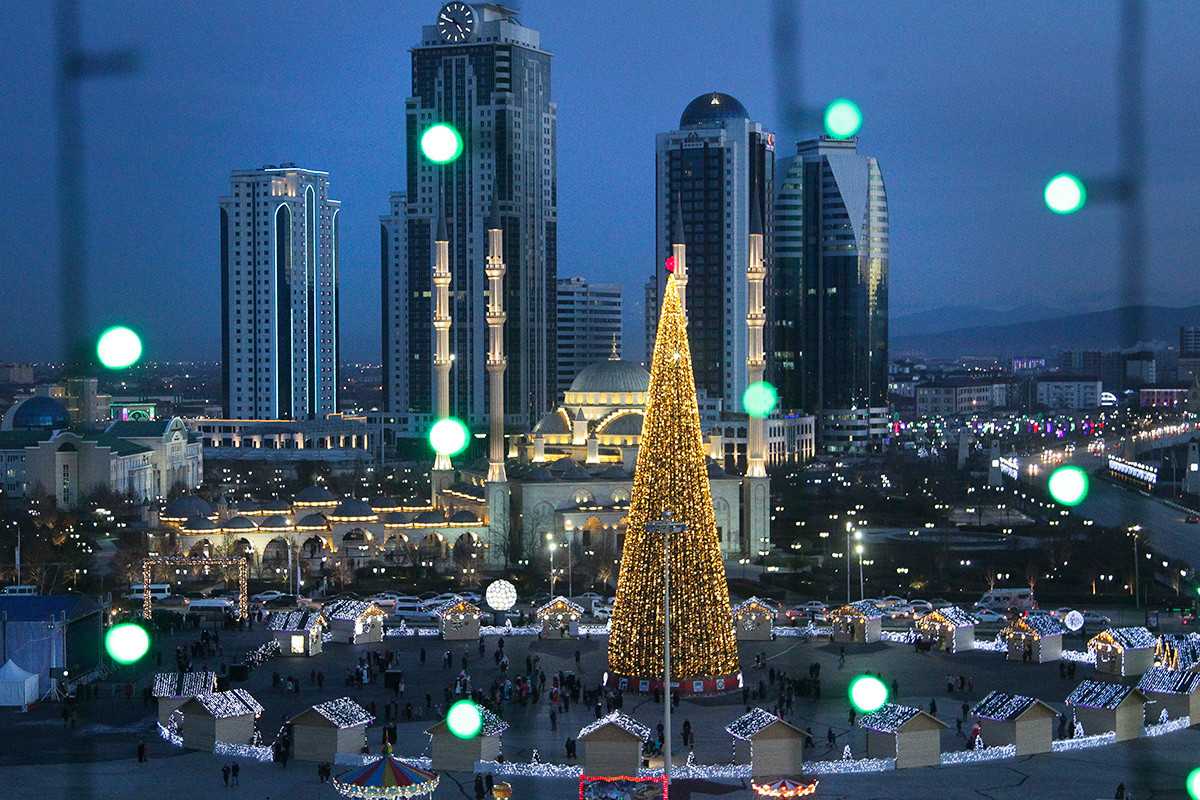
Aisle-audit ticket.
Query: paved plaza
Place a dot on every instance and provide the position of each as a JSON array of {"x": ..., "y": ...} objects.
[{"x": 97, "y": 757}]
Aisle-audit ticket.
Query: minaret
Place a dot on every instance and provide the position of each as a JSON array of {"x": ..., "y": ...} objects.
[
  {"x": 496, "y": 488},
  {"x": 756, "y": 486},
  {"x": 679, "y": 253},
  {"x": 441, "y": 325},
  {"x": 496, "y": 362}
]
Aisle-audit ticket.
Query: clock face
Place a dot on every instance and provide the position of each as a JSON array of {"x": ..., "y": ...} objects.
[{"x": 456, "y": 22}]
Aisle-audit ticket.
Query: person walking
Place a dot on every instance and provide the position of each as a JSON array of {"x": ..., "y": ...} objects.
[
  {"x": 225, "y": 773},
  {"x": 141, "y": 752},
  {"x": 234, "y": 769},
  {"x": 479, "y": 790},
  {"x": 933, "y": 706},
  {"x": 320, "y": 679},
  {"x": 553, "y": 720}
]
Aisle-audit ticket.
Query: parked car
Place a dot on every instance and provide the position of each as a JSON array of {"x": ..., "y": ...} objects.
[
  {"x": 602, "y": 612},
  {"x": 940, "y": 602},
  {"x": 1038, "y": 612},
  {"x": 890, "y": 600},
  {"x": 1095, "y": 618},
  {"x": 899, "y": 611},
  {"x": 1191, "y": 519},
  {"x": 920, "y": 607},
  {"x": 173, "y": 601},
  {"x": 988, "y": 615},
  {"x": 263, "y": 597},
  {"x": 1061, "y": 613}
]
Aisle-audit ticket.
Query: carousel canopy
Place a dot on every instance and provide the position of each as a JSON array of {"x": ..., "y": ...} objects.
[{"x": 387, "y": 777}]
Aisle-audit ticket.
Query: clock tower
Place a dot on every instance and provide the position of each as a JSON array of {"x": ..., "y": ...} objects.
[{"x": 480, "y": 70}]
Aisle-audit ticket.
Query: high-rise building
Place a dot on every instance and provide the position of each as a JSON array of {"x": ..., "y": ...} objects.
[
  {"x": 830, "y": 349},
  {"x": 712, "y": 165},
  {"x": 279, "y": 295},
  {"x": 589, "y": 326},
  {"x": 482, "y": 72}
]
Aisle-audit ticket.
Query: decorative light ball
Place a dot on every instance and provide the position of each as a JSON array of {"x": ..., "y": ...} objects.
[
  {"x": 1073, "y": 620},
  {"x": 502, "y": 790},
  {"x": 501, "y": 595},
  {"x": 670, "y": 263},
  {"x": 464, "y": 720},
  {"x": 868, "y": 693}
]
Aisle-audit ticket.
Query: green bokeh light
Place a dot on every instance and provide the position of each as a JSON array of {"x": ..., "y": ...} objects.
[
  {"x": 760, "y": 399},
  {"x": 1069, "y": 485},
  {"x": 126, "y": 643},
  {"x": 464, "y": 720},
  {"x": 868, "y": 693},
  {"x": 1065, "y": 194},
  {"x": 1193, "y": 783},
  {"x": 842, "y": 119},
  {"x": 448, "y": 437},
  {"x": 441, "y": 143},
  {"x": 118, "y": 347}
]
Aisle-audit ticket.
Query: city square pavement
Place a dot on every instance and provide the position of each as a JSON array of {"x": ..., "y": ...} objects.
[{"x": 96, "y": 758}]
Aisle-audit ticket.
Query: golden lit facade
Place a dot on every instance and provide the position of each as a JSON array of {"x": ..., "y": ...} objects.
[{"x": 671, "y": 475}]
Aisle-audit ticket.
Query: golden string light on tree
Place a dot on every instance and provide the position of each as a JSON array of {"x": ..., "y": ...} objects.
[{"x": 672, "y": 475}]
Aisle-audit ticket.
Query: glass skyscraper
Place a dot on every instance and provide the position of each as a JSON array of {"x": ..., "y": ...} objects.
[
  {"x": 486, "y": 75},
  {"x": 830, "y": 344}
]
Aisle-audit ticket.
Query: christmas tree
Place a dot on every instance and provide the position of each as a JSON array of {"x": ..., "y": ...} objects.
[{"x": 672, "y": 476}]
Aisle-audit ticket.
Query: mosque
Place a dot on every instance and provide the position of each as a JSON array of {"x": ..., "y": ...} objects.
[{"x": 568, "y": 481}]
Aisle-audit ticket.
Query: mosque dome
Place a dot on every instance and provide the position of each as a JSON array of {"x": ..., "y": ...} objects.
[
  {"x": 312, "y": 522},
  {"x": 464, "y": 516},
  {"x": 712, "y": 109},
  {"x": 186, "y": 507},
  {"x": 624, "y": 425},
  {"x": 352, "y": 508},
  {"x": 39, "y": 412},
  {"x": 429, "y": 518},
  {"x": 315, "y": 495},
  {"x": 240, "y": 524},
  {"x": 555, "y": 421},
  {"x": 612, "y": 376}
]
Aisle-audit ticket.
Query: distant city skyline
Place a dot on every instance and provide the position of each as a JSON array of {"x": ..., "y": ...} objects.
[{"x": 968, "y": 109}]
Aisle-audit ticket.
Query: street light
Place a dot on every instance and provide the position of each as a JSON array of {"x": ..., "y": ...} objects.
[
  {"x": 849, "y": 527},
  {"x": 861, "y": 592},
  {"x": 552, "y": 548}
]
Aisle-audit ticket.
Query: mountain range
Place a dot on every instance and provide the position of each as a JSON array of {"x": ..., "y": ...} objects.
[{"x": 1029, "y": 332}]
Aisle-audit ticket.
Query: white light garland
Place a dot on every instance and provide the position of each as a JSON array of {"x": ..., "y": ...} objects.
[
  {"x": 843, "y": 766},
  {"x": 1084, "y": 658},
  {"x": 250, "y": 751},
  {"x": 1168, "y": 726},
  {"x": 982, "y": 754},
  {"x": 169, "y": 731},
  {"x": 529, "y": 770},
  {"x": 996, "y": 645},
  {"x": 1083, "y": 742},
  {"x": 809, "y": 631}
]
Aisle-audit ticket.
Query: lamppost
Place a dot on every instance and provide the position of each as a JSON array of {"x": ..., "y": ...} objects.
[
  {"x": 552, "y": 547},
  {"x": 1137, "y": 600},
  {"x": 861, "y": 590}
]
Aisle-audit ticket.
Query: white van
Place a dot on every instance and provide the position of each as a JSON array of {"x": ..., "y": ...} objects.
[
  {"x": 25, "y": 590},
  {"x": 413, "y": 610},
  {"x": 211, "y": 604},
  {"x": 157, "y": 591},
  {"x": 1008, "y": 600}
]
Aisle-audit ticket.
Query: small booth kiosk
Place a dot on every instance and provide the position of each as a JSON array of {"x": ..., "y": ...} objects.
[
  {"x": 218, "y": 717},
  {"x": 1035, "y": 640},
  {"x": 950, "y": 629},
  {"x": 1101, "y": 707},
  {"x": 612, "y": 746},
  {"x": 458, "y": 619},
  {"x": 560, "y": 618},
  {"x": 1176, "y": 692},
  {"x": 449, "y": 752},
  {"x": 861, "y": 623},
  {"x": 1124, "y": 651},
  {"x": 753, "y": 620},
  {"x": 327, "y": 729},
  {"x": 769, "y": 745},
  {"x": 298, "y": 632},
  {"x": 909, "y": 735},
  {"x": 355, "y": 621},
  {"x": 1024, "y": 722},
  {"x": 173, "y": 689}
]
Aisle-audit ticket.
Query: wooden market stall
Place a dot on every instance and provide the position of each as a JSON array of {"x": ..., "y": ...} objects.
[
  {"x": 1124, "y": 651},
  {"x": 326, "y": 729},
  {"x": 1035, "y": 640},
  {"x": 1101, "y": 706},
  {"x": 1175, "y": 691},
  {"x": 173, "y": 689},
  {"x": 1178, "y": 651},
  {"x": 860, "y": 622},
  {"x": 612, "y": 746},
  {"x": 1015, "y": 719},
  {"x": 560, "y": 618},
  {"x": 950, "y": 629},
  {"x": 449, "y": 752},
  {"x": 909, "y": 735},
  {"x": 355, "y": 621},
  {"x": 218, "y": 717},
  {"x": 753, "y": 620},
  {"x": 458, "y": 619},
  {"x": 769, "y": 745},
  {"x": 298, "y": 632}
]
